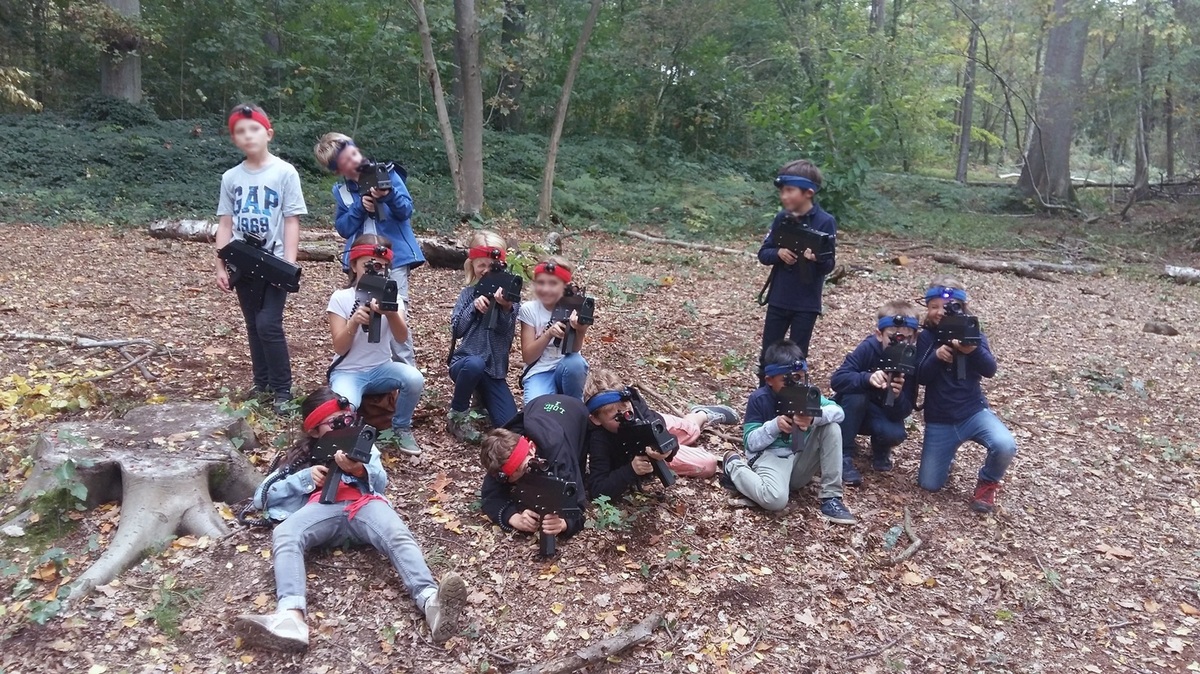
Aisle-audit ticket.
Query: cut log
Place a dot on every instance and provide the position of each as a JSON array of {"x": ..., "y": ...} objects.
[
  {"x": 1182, "y": 274},
  {"x": 166, "y": 464},
  {"x": 685, "y": 244},
  {"x": 599, "y": 651},
  {"x": 1160, "y": 328},
  {"x": 1025, "y": 268}
]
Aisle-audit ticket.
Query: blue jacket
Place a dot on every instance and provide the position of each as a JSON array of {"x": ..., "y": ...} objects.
[
  {"x": 788, "y": 291},
  {"x": 948, "y": 400},
  {"x": 855, "y": 373},
  {"x": 761, "y": 434},
  {"x": 353, "y": 221},
  {"x": 287, "y": 495}
]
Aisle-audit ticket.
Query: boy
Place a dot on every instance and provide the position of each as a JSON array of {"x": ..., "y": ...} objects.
[
  {"x": 261, "y": 197},
  {"x": 615, "y": 466},
  {"x": 387, "y": 213},
  {"x": 793, "y": 290},
  {"x": 785, "y": 451},
  {"x": 861, "y": 388},
  {"x": 546, "y": 438}
]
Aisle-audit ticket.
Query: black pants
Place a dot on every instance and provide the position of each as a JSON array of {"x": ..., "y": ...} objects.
[
  {"x": 779, "y": 323},
  {"x": 262, "y": 307}
]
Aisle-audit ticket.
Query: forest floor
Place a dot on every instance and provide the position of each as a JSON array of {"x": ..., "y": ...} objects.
[{"x": 1092, "y": 564}]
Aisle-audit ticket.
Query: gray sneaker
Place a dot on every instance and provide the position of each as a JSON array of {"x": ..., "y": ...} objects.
[
  {"x": 275, "y": 631},
  {"x": 406, "y": 442},
  {"x": 718, "y": 414},
  {"x": 442, "y": 611}
]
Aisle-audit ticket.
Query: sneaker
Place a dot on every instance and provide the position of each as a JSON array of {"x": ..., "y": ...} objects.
[
  {"x": 727, "y": 463},
  {"x": 850, "y": 475},
  {"x": 882, "y": 462},
  {"x": 255, "y": 393},
  {"x": 984, "y": 500},
  {"x": 283, "y": 403},
  {"x": 278, "y": 631},
  {"x": 718, "y": 414},
  {"x": 442, "y": 611},
  {"x": 833, "y": 510},
  {"x": 461, "y": 426},
  {"x": 406, "y": 442}
]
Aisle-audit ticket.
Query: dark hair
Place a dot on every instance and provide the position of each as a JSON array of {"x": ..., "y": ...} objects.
[
  {"x": 366, "y": 240},
  {"x": 299, "y": 452},
  {"x": 783, "y": 352},
  {"x": 802, "y": 168}
]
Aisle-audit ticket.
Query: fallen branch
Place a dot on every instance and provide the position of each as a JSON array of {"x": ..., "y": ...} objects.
[
  {"x": 660, "y": 401},
  {"x": 1182, "y": 274},
  {"x": 81, "y": 341},
  {"x": 1025, "y": 268},
  {"x": 1046, "y": 574},
  {"x": 873, "y": 652},
  {"x": 684, "y": 244},
  {"x": 599, "y": 651},
  {"x": 916, "y": 540}
]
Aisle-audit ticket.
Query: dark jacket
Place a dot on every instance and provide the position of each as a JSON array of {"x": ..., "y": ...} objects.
[
  {"x": 558, "y": 425},
  {"x": 394, "y": 223},
  {"x": 610, "y": 464},
  {"x": 493, "y": 346},
  {"x": 855, "y": 373},
  {"x": 948, "y": 400},
  {"x": 788, "y": 290}
]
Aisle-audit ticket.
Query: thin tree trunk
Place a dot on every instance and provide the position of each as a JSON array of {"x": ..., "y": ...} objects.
[
  {"x": 509, "y": 115},
  {"x": 546, "y": 200},
  {"x": 1141, "y": 150},
  {"x": 120, "y": 65},
  {"x": 466, "y": 22},
  {"x": 967, "y": 109},
  {"x": 439, "y": 99},
  {"x": 878, "y": 18}
]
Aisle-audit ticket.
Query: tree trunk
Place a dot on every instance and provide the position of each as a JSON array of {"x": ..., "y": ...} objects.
[
  {"x": 1141, "y": 160},
  {"x": 466, "y": 23},
  {"x": 120, "y": 65},
  {"x": 1046, "y": 175},
  {"x": 968, "y": 107},
  {"x": 1169, "y": 107},
  {"x": 878, "y": 18},
  {"x": 546, "y": 200},
  {"x": 429, "y": 64},
  {"x": 897, "y": 7},
  {"x": 509, "y": 115}
]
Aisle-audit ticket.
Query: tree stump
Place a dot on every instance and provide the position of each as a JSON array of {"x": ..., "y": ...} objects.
[{"x": 166, "y": 464}]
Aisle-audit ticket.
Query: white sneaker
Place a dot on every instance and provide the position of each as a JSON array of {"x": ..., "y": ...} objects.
[
  {"x": 276, "y": 631},
  {"x": 443, "y": 609}
]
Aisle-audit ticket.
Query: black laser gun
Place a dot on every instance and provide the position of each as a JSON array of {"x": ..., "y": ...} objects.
[
  {"x": 498, "y": 278},
  {"x": 643, "y": 428},
  {"x": 545, "y": 495},
  {"x": 248, "y": 260},
  {"x": 798, "y": 397},
  {"x": 899, "y": 358},
  {"x": 794, "y": 235},
  {"x": 374, "y": 175},
  {"x": 958, "y": 325},
  {"x": 573, "y": 300},
  {"x": 375, "y": 285},
  {"x": 356, "y": 440}
]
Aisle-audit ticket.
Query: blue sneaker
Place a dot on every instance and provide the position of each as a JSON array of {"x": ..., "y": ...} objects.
[
  {"x": 833, "y": 510},
  {"x": 726, "y": 463},
  {"x": 850, "y": 475}
]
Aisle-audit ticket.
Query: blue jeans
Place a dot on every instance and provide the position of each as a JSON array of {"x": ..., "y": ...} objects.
[
  {"x": 865, "y": 417},
  {"x": 567, "y": 378},
  {"x": 385, "y": 377},
  {"x": 469, "y": 376},
  {"x": 943, "y": 440},
  {"x": 403, "y": 351}
]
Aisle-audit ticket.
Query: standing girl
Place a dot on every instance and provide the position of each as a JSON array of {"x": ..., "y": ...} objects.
[{"x": 547, "y": 369}]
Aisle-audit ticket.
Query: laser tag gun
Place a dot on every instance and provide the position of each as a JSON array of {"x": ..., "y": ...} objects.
[
  {"x": 355, "y": 439},
  {"x": 797, "y": 237},
  {"x": 643, "y": 428},
  {"x": 899, "y": 357},
  {"x": 798, "y": 397},
  {"x": 498, "y": 278},
  {"x": 375, "y": 285},
  {"x": 573, "y": 300},
  {"x": 247, "y": 259},
  {"x": 546, "y": 494},
  {"x": 374, "y": 175},
  {"x": 956, "y": 324}
]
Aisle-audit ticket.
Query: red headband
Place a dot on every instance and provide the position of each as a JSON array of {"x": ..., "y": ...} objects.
[
  {"x": 487, "y": 251},
  {"x": 323, "y": 410},
  {"x": 247, "y": 112},
  {"x": 370, "y": 250},
  {"x": 515, "y": 459},
  {"x": 550, "y": 268}
]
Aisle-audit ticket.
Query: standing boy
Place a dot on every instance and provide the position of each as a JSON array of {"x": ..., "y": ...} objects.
[{"x": 261, "y": 197}]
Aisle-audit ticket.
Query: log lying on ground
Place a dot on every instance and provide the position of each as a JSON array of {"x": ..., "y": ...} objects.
[
  {"x": 685, "y": 244},
  {"x": 166, "y": 464},
  {"x": 1182, "y": 274},
  {"x": 599, "y": 651},
  {"x": 1024, "y": 268}
]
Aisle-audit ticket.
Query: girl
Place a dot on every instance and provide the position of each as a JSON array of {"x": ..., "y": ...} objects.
[
  {"x": 956, "y": 410},
  {"x": 362, "y": 366},
  {"x": 360, "y": 515},
  {"x": 547, "y": 369},
  {"x": 480, "y": 363}
]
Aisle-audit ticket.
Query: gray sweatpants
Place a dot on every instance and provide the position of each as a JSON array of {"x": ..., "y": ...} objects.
[
  {"x": 772, "y": 478},
  {"x": 403, "y": 352}
]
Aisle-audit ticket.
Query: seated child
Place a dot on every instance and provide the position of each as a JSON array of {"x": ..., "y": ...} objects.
[
  {"x": 548, "y": 438},
  {"x": 955, "y": 409},
  {"x": 785, "y": 451},
  {"x": 547, "y": 369},
  {"x": 861, "y": 389},
  {"x": 360, "y": 515},
  {"x": 613, "y": 466}
]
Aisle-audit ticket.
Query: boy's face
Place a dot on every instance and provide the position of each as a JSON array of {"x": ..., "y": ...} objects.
[
  {"x": 794, "y": 198},
  {"x": 520, "y": 472},
  {"x": 481, "y": 266},
  {"x": 609, "y": 417},
  {"x": 349, "y": 161},
  {"x": 934, "y": 310},
  {"x": 548, "y": 288},
  {"x": 251, "y": 137},
  {"x": 885, "y": 336},
  {"x": 777, "y": 382}
]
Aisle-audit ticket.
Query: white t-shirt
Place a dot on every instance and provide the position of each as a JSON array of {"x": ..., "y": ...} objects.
[
  {"x": 259, "y": 200},
  {"x": 363, "y": 355},
  {"x": 533, "y": 313}
]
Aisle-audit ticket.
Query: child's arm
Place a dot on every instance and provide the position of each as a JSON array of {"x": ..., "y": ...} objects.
[
  {"x": 607, "y": 475},
  {"x": 396, "y": 322},
  {"x": 348, "y": 220},
  {"x": 533, "y": 346},
  {"x": 768, "y": 253},
  {"x": 761, "y": 429},
  {"x": 827, "y": 262},
  {"x": 854, "y": 375},
  {"x": 376, "y": 475},
  {"x": 495, "y": 501},
  {"x": 299, "y": 483},
  {"x": 981, "y": 359},
  {"x": 831, "y": 413},
  {"x": 291, "y": 238},
  {"x": 399, "y": 201},
  {"x": 464, "y": 313},
  {"x": 224, "y": 236}
]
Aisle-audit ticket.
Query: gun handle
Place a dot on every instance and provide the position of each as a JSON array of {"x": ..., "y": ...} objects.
[
  {"x": 891, "y": 393},
  {"x": 960, "y": 363},
  {"x": 332, "y": 479},
  {"x": 663, "y": 472},
  {"x": 568, "y": 342},
  {"x": 492, "y": 312},
  {"x": 375, "y": 327},
  {"x": 547, "y": 544},
  {"x": 805, "y": 268}
]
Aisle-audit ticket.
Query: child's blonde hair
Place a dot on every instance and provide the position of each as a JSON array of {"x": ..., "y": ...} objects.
[
  {"x": 484, "y": 238},
  {"x": 598, "y": 381},
  {"x": 496, "y": 447},
  {"x": 897, "y": 308},
  {"x": 329, "y": 146}
]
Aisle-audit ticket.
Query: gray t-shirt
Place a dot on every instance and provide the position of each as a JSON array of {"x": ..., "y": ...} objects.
[
  {"x": 363, "y": 355},
  {"x": 259, "y": 200},
  {"x": 533, "y": 313}
]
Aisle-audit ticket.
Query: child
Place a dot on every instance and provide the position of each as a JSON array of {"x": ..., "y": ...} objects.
[
  {"x": 480, "y": 363},
  {"x": 548, "y": 437},
  {"x": 362, "y": 367},
  {"x": 614, "y": 467},
  {"x": 793, "y": 293},
  {"x": 547, "y": 369},
  {"x": 956, "y": 410},
  {"x": 360, "y": 515},
  {"x": 387, "y": 213},
  {"x": 261, "y": 197},
  {"x": 785, "y": 451},
  {"x": 861, "y": 388}
]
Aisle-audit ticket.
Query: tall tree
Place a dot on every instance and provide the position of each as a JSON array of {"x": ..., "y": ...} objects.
[
  {"x": 120, "y": 64},
  {"x": 967, "y": 109},
  {"x": 508, "y": 114},
  {"x": 429, "y": 65},
  {"x": 466, "y": 46},
  {"x": 878, "y": 18}
]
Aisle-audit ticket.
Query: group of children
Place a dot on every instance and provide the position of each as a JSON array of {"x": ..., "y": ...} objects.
[{"x": 574, "y": 424}]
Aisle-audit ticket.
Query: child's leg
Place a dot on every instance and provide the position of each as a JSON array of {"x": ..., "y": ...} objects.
[
  {"x": 822, "y": 450},
  {"x": 570, "y": 375},
  {"x": 685, "y": 429},
  {"x": 854, "y": 405},
  {"x": 498, "y": 399},
  {"x": 885, "y": 433},
  {"x": 937, "y": 451},
  {"x": 349, "y": 385},
  {"x": 402, "y": 352},
  {"x": 313, "y": 525},
  {"x": 467, "y": 373},
  {"x": 775, "y": 328},
  {"x": 802, "y": 324},
  {"x": 987, "y": 429},
  {"x": 376, "y": 523},
  {"x": 269, "y": 323},
  {"x": 693, "y": 462},
  {"x": 403, "y": 378},
  {"x": 538, "y": 385},
  {"x": 766, "y": 483},
  {"x": 250, "y": 303}
]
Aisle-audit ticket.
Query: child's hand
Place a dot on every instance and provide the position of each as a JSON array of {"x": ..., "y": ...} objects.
[
  {"x": 223, "y": 279},
  {"x": 505, "y": 304},
  {"x": 879, "y": 379},
  {"x": 368, "y": 202},
  {"x": 553, "y": 524},
  {"x": 318, "y": 475},
  {"x": 377, "y": 193},
  {"x": 809, "y": 255},
  {"x": 557, "y": 330},
  {"x": 963, "y": 348},
  {"x": 787, "y": 256},
  {"x": 375, "y": 307},
  {"x": 362, "y": 316},
  {"x": 526, "y": 520},
  {"x": 641, "y": 465},
  {"x": 944, "y": 353},
  {"x": 575, "y": 320},
  {"x": 897, "y": 383},
  {"x": 784, "y": 423},
  {"x": 802, "y": 422},
  {"x": 348, "y": 465},
  {"x": 481, "y": 304}
]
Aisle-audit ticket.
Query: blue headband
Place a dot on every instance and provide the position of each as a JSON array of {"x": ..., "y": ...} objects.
[
  {"x": 797, "y": 181},
  {"x": 898, "y": 322},
  {"x": 604, "y": 398},
  {"x": 775, "y": 370},
  {"x": 333, "y": 161},
  {"x": 942, "y": 292}
]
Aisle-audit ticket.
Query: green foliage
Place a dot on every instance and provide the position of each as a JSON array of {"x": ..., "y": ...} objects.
[
  {"x": 69, "y": 495},
  {"x": 605, "y": 515},
  {"x": 172, "y": 600},
  {"x": 680, "y": 551}
]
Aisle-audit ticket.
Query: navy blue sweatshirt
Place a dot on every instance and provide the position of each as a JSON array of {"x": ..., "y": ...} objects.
[
  {"x": 855, "y": 373},
  {"x": 788, "y": 291},
  {"x": 948, "y": 400}
]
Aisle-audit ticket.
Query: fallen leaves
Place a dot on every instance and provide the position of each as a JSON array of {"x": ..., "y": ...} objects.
[{"x": 1113, "y": 552}]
